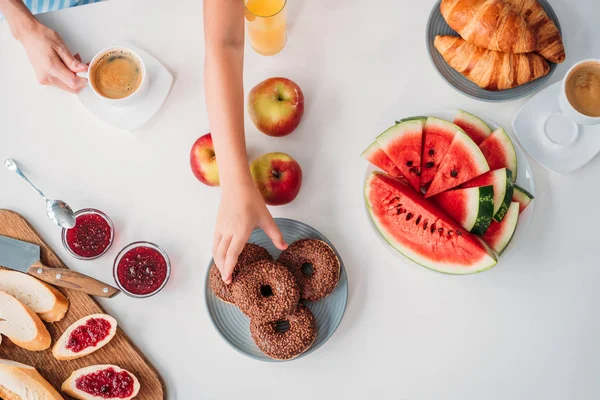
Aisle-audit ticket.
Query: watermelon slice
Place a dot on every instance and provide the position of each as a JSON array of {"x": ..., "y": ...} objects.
[
  {"x": 501, "y": 180},
  {"x": 472, "y": 208},
  {"x": 437, "y": 136},
  {"x": 402, "y": 143},
  {"x": 376, "y": 156},
  {"x": 499, "y": 234},
  {"x": 475, "y": 128},
  {"x": 421, "y": 231},
  {"x": 521, "y": 196},
  {"x": 463, "y": 162},
  {"x": 500, "y": 152}
]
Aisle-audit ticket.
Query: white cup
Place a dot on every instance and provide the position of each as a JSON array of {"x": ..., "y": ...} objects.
[
  {"x": 567, "y": 109},
  {"x": 107, "y": 53}
]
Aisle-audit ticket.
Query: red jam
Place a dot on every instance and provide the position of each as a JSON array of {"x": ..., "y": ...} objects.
[
  {"x": 90, "y": 236},
  {"x": 142, "y": 270},
  {"x": 93, "y": 332},
  {"x": 106, "y": 383}
]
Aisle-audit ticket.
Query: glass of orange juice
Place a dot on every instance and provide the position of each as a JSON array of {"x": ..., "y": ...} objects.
[{"x": 266, "y": 25}]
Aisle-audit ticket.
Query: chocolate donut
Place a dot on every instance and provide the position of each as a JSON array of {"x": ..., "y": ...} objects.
[
  {"x": 266, "y": 291},
  {"x": 314, "y": 265},
  {"x": 274, "y": 340},
  {"x": 250, "y": 254}
]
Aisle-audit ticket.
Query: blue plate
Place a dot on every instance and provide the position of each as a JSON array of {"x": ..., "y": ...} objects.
[
  {"x": 234, "y": 326},
  {"x": 436, "y": 25}
]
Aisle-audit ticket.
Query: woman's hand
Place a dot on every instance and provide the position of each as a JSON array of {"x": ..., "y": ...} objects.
[
  {"x": 241, "y": 210},
  {"x": 52, "y": 61}
]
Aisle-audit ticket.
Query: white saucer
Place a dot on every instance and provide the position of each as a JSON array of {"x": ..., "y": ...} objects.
[
  {"x": 552, "y": 139},
  {"x": 131, "y": 117}
]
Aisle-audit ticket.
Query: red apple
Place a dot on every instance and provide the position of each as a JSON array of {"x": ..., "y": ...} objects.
[
  {"x": 278, "y": 177},
  {"x": 276, "y": 106},
  {"x": 204, "y": 162}
]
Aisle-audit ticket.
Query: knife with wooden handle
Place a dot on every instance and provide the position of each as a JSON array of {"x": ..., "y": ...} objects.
[{"x": 25, "y": 257}]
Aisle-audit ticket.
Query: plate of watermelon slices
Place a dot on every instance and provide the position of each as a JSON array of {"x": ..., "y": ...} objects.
[{"x": 455, "y": 196}]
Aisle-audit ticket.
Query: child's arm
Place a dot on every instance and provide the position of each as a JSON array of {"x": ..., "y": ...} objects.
[
  {"x": 51, "y": 59},
  {"x": 242, "y": 208}
]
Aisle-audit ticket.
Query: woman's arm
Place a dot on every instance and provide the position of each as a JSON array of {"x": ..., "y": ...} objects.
[
  {"x": 51, "y": 59},
  {"x": 242, "y": 208}
]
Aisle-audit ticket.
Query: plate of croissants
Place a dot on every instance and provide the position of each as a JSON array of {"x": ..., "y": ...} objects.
[{"x": 495, "y": 50}]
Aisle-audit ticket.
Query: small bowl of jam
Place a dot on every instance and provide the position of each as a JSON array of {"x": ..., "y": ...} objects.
[
  {"x": 92, "y": 235},
  {"x": 142, "y": 269}
]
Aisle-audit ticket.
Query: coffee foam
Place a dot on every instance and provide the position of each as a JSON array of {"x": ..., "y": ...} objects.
[{"x": 583, "y": 89}]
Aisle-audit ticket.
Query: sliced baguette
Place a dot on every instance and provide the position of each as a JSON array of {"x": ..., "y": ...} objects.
[
  {"x": 50, "y": 304},
  {"x": 60, "y": 350},
  {"x": 21, "y": 325},
  {"x": 70, "y": 385},
  {"x": 23, "y": 382}
]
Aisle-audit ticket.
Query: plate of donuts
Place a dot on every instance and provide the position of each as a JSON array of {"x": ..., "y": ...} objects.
[{"x": 281, "y": 305}]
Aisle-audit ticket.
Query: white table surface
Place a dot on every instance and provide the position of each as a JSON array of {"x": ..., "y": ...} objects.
[{"x": 526, "y": 329}]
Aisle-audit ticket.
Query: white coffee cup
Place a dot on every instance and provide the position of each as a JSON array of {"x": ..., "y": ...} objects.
[
  {"x": 567, "y": 109},
  {"x": 107, "y": 52}
]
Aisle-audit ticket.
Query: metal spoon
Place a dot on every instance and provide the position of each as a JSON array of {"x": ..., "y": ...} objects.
[{"x": 58, "y": 211}]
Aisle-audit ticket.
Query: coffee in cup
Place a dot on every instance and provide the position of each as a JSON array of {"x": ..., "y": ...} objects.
[
  {"x": 582, "y": 87},
  {"x": 116, "y": 74}
]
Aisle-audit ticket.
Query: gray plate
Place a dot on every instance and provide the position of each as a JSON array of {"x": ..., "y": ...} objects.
[
  {"x": 436, "y": 25},
  {"x": 234, "y": 326}
]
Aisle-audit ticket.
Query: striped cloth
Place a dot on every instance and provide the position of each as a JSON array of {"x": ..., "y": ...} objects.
[{"x": 42, "y": 6}]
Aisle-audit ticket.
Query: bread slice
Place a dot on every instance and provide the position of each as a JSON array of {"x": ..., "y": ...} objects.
[
  {"x": 62, "y": 352},
  {"x": 70, "y": 386},
  {"x": 50, "y": 304},
  {"x": 21, "y": 325},
  {"x": 23, "y": 382}
]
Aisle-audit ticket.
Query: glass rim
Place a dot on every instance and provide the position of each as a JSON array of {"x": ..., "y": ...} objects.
[
  {"x": 85, "y": 211},
  {"x": 134, "y": 245},
  {"x": 264, "y": 16}
]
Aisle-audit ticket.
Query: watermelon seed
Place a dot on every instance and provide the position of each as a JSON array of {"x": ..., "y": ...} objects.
[
  {"x": 409, "y": 164},
  {"x": 409, "y": 216},
  {"x": 431, "y": 152},
  {"x": 430, "y": 164},
  {"x": 418, "y": 220},
  {"x": 441, "y": 230},
  {"x": 450, "y": 233},
  {"x": 459, "y": 233},
  {"x": 433, "y": 227},
  {"x": 454, "y": 173},
  {"x": 425, "y": 225}
]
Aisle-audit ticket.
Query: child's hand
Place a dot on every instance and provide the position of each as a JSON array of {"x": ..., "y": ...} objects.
[{"x": 241, "y": 210}]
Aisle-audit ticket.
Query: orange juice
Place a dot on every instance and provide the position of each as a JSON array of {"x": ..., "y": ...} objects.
[{"x": 266, "y": 25}]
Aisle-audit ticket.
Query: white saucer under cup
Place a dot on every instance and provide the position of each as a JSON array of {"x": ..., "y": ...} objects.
[
  {"x": 131, "y": 116},
  {"x": 554, "y": 133}
]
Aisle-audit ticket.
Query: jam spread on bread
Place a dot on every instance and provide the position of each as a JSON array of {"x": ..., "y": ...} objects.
[
  {"x": 93, "y": 332},
  {"x": 90, "y": 236},
  {"x": 142, "y": 270},
  {"x": 107, "y": 383}
]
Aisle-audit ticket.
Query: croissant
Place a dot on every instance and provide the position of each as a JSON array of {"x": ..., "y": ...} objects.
[
  {"x": 491, "y": 70},
  {"x": 493, "y": 24},
  {"x": 550, "y": 44}
]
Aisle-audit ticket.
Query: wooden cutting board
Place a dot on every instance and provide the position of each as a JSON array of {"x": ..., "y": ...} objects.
[{"x": 119, "y": 351}]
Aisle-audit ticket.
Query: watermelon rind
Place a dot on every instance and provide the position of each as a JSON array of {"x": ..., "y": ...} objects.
[
  {"x": 501, "y": 233},
  {"x": 476, "y": 156},
  {"x": 505, "y": 145},
  {"x": 501, "y": 179},
  {"x": 485, "y": 264},
  {"x": 482, "y": 130},
  {"x": 479, "y": 207},
  {"x": 521, "y": 196},
  {"x": 398, "y": 132},
  {"x": 415, "y": 118}
]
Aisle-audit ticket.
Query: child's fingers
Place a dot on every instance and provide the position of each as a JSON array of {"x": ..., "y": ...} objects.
[
  {"x": 235, "y": 248},
  {"x": 274, "y": 233},
  {"x": 222, "y": 253}
]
